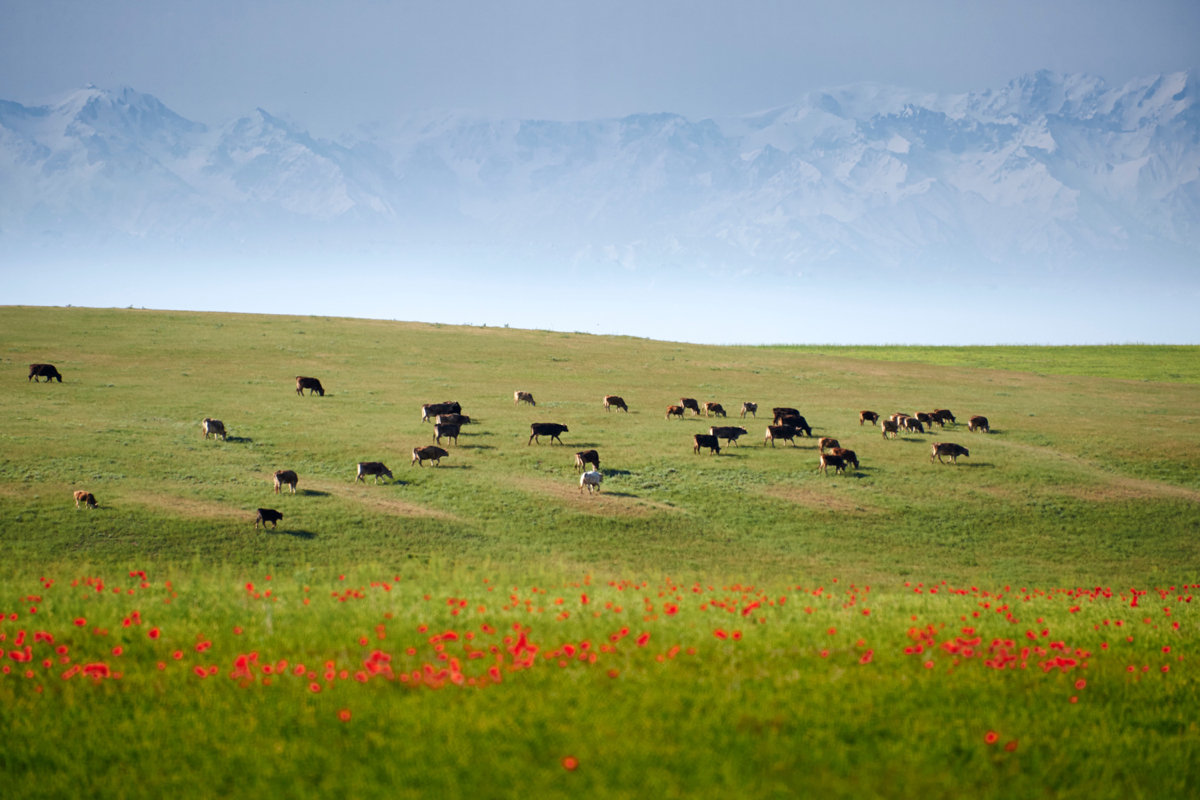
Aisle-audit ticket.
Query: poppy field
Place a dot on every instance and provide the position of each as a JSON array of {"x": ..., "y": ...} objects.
[
  {"x": 1020, "y": 624},
  {"x": 132, "y": 684}
]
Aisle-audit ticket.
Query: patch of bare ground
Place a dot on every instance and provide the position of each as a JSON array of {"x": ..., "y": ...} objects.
[
  {"x": 379, "y": 501},
  {"x": 820, "y": 499},
  {"x": 607, "y": 502},
  {"x": 181, "y": 506}
]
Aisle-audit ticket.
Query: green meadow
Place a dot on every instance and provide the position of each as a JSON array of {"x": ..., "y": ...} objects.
[{"x": 1019, "y": 624}]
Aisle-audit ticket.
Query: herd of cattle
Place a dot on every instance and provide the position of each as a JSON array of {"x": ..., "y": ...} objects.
[{"x": 787, "y": 425}]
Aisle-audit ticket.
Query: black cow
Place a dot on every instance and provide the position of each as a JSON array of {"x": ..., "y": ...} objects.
[
  {"x": 551, "y": 429},
  {"x": 700, "y": 440},
  {"x": 798, "y": 422},
  {"x": 615, "y": 401},
  {"x": 431, "y": 453},
  {"x": 46, "y": 371},
  {"x": 729, "y": 433},
  {"x": 372, "y": 468},
  {"x": 430, "y": 411},
  {"x": 749, "y": 408},
  {"x": 951, "y": 449},
  {"x": 585, "y": 457},
  {"x": 286, "y": 477},
  {"x": 978, "y": 423},
  {"x": 783, "y": 411},
  {"x": 867, "y": 416},
  {"x": 266, "y": 515},
  {"x": 849, "y": 456},
  {"x": 445, "y": 429},
  {"x": 690, "y": 402},
  {"x": 785, "y": 432},
  {"x": 312, "y": 384},
  {"x": 830, "y": 460}
]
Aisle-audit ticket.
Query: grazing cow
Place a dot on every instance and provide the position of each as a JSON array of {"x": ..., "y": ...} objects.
[
  {"x": 947, "y": 449},
  {"x": 849, "y": 456},
  {"x": 944, "y": 415},
  {"x": 591, "y": 480},
  {"x": 690, "y": 402},
  {"x": 585, "y": 457},
  {"x": 912, "y": 424},
  {"x": 978, "y": 423},
  {"x": 266, "y": 515},
  {"x": 431, "y": 411},
  {"x": 785, "y": 432},
  {"x": 889, "y": 426},
  {"x": 830, "y": 460},
  {"x": 926, "y": 419},
  {"x": 312, "y": 384},
  {"x": 87, "y": 498},
  {"x": 213, "y": 426},
  {"x": 798, "y": 422},
  {"x": 615, "y": 401},
  {"x": 523, "y": 397},
  {"x": 451, "y": 419},
  {"x": 751, "y": 409},
  {"x": 716, "y": 409},
  {"x": 706, "y": 440},
  {"x": 780, "y": 412},
  {"x": 285, "y": 477},
  {"x": 430, "y": 453},
  {"x": 46, "y": 371},
  {"x": 827, "y": 441},
  {"x": 447, "y": 430},
  {"x": 551, "y": 429},
  {"x": 867, "y": 416},
  {"x": 674, "y": 411},
  {"x": 372, "y": 468},
  {"x": 729, "y": 433}
]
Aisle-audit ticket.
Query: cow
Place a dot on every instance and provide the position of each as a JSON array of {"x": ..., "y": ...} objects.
[
  {"x": 978, "y": 423},
  {"x": 785, "y": 432},
  {"x": 523, "y": 397},
  {"x": 266, "y": 515},
  {"x": 447, "y": 430},
  {"x": 591, "y": 480},
  {"x": 867, "y": 416},
  {"x": 700, "y": 440},
  {"x": 451, "y": 419},
  {"x": 751, "y": 409},
  {"x": 431, "y": 411},
  {"x": 944, "y": 415},
  {"x": 926, "y": 419},
  {"x": 373, "y": 468},
  {"x": 912, "y": 424},
  {"x": 87, "y": 498},
  {"x": 798, "y": 422},
  {"x": 551, "y": 429},
  {"x": 729, "y": 433},
  {"x": 889, "y": 426},
  {"x": 214, "y": 427},
  {"x": 830, "y": 460},
  {"x": 674, "y": 411},
  {"x": 585, "y": 457},
  {"x": 615, "y": 401},
  {"x": 779, "y": 412},
  {"x": 947, "y": 449},
  {"x": 46, "y": 371},
  {"x": 827, "y": 441},
  {"x": 690, "y": 402},
  {"x": 716, "y": 409},
  {"x": 285, "y": 477},
  {"x": 849, "y": 456},
  {"x": 430, "y": 453},
  {"x": 312, "y": 384}
]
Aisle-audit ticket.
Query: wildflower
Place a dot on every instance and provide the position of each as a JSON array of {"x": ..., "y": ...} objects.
[
  {"x": 991, "y": 737},
  {"x": 570, "y": 763},
  {"x": 344, "y": 715},
  {"x": 1079, "y": 684},
  {"x": 154, "y": 633},
  {"x": 1011, "y": 746}
]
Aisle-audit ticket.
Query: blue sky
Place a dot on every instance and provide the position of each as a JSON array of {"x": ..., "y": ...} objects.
[{"x": 332, "y": 65}]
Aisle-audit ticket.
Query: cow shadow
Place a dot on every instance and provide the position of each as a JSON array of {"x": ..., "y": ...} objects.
[
  {"x": 620, "y": 494},
  {"x": 449, "y": 466},
  {"x": 312, "y": 493},
  {"x": 478, "y": 447},
  {"x": 298, "y": 534},
  {"x": 612, "y": 473},
  {"x": 239, "y": 439}
]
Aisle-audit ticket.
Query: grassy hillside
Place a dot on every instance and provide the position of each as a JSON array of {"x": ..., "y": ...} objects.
[{"x": 1082, "y": 479}]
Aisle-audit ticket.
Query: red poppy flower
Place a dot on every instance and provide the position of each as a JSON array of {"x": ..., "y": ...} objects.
[
  {"x": 344, "y": 715},
  {"x": 570, "y": 763},
  {"x": 991, "y": 737}
]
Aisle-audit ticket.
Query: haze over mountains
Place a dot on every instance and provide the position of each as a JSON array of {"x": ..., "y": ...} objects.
[{"x": 1051, "y": 174}]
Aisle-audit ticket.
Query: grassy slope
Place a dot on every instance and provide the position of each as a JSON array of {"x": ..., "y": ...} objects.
[{"x": 1085, "y": 479}]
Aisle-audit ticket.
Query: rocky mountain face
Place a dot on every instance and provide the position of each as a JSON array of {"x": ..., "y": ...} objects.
[{"x": 1051, "y": 172}]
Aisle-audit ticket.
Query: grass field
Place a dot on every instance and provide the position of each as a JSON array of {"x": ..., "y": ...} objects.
[{"x": 1019, "y": 624}]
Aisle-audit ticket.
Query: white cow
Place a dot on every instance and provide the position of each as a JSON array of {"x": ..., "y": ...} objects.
[{"x": 591, "y": 480}]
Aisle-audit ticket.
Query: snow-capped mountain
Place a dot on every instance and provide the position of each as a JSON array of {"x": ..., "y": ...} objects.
[{"x": 1049, "y": 172}]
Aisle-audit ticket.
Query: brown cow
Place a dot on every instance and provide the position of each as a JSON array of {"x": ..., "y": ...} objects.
[
  {"x": 716, "y": 409},
  {"x": 785, "y": 432},
  {"x": 674, "y": 411},
  {"x": 523, "y": 397},
  {"x": 751, "y": 409},
  {"x": 431, "y": 453},
  {"x": 551, "y": 429},
  {"x": 867, "y": 416},
  {"x": 827, "y": 441},
  {"x": 944, "y": 415},
  {"x": 849, "y": 456},
  {"x": 779, "y": 412},
  {"x": 312, "y": 384},
  {"x": 585, "y": 457},
  {"x": 706, "y": 440},
  {"x": 690, "y": 402},
  {"x": 87, "y": 498},
  {"x": 830, "y": 460},
  {"x": 214, "y": 427},
  {"x": 926, "y": 419},
  {"x": 947, "y": 449},
  {"x": 46, "y": 371},
  {"x": 978, "y": 423},
  {"x": 615, "y": 401},
  {"x": 912, "y": 424},
  {"x": 285, "y": 477},
  {"x": 889, "y": 426}
]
